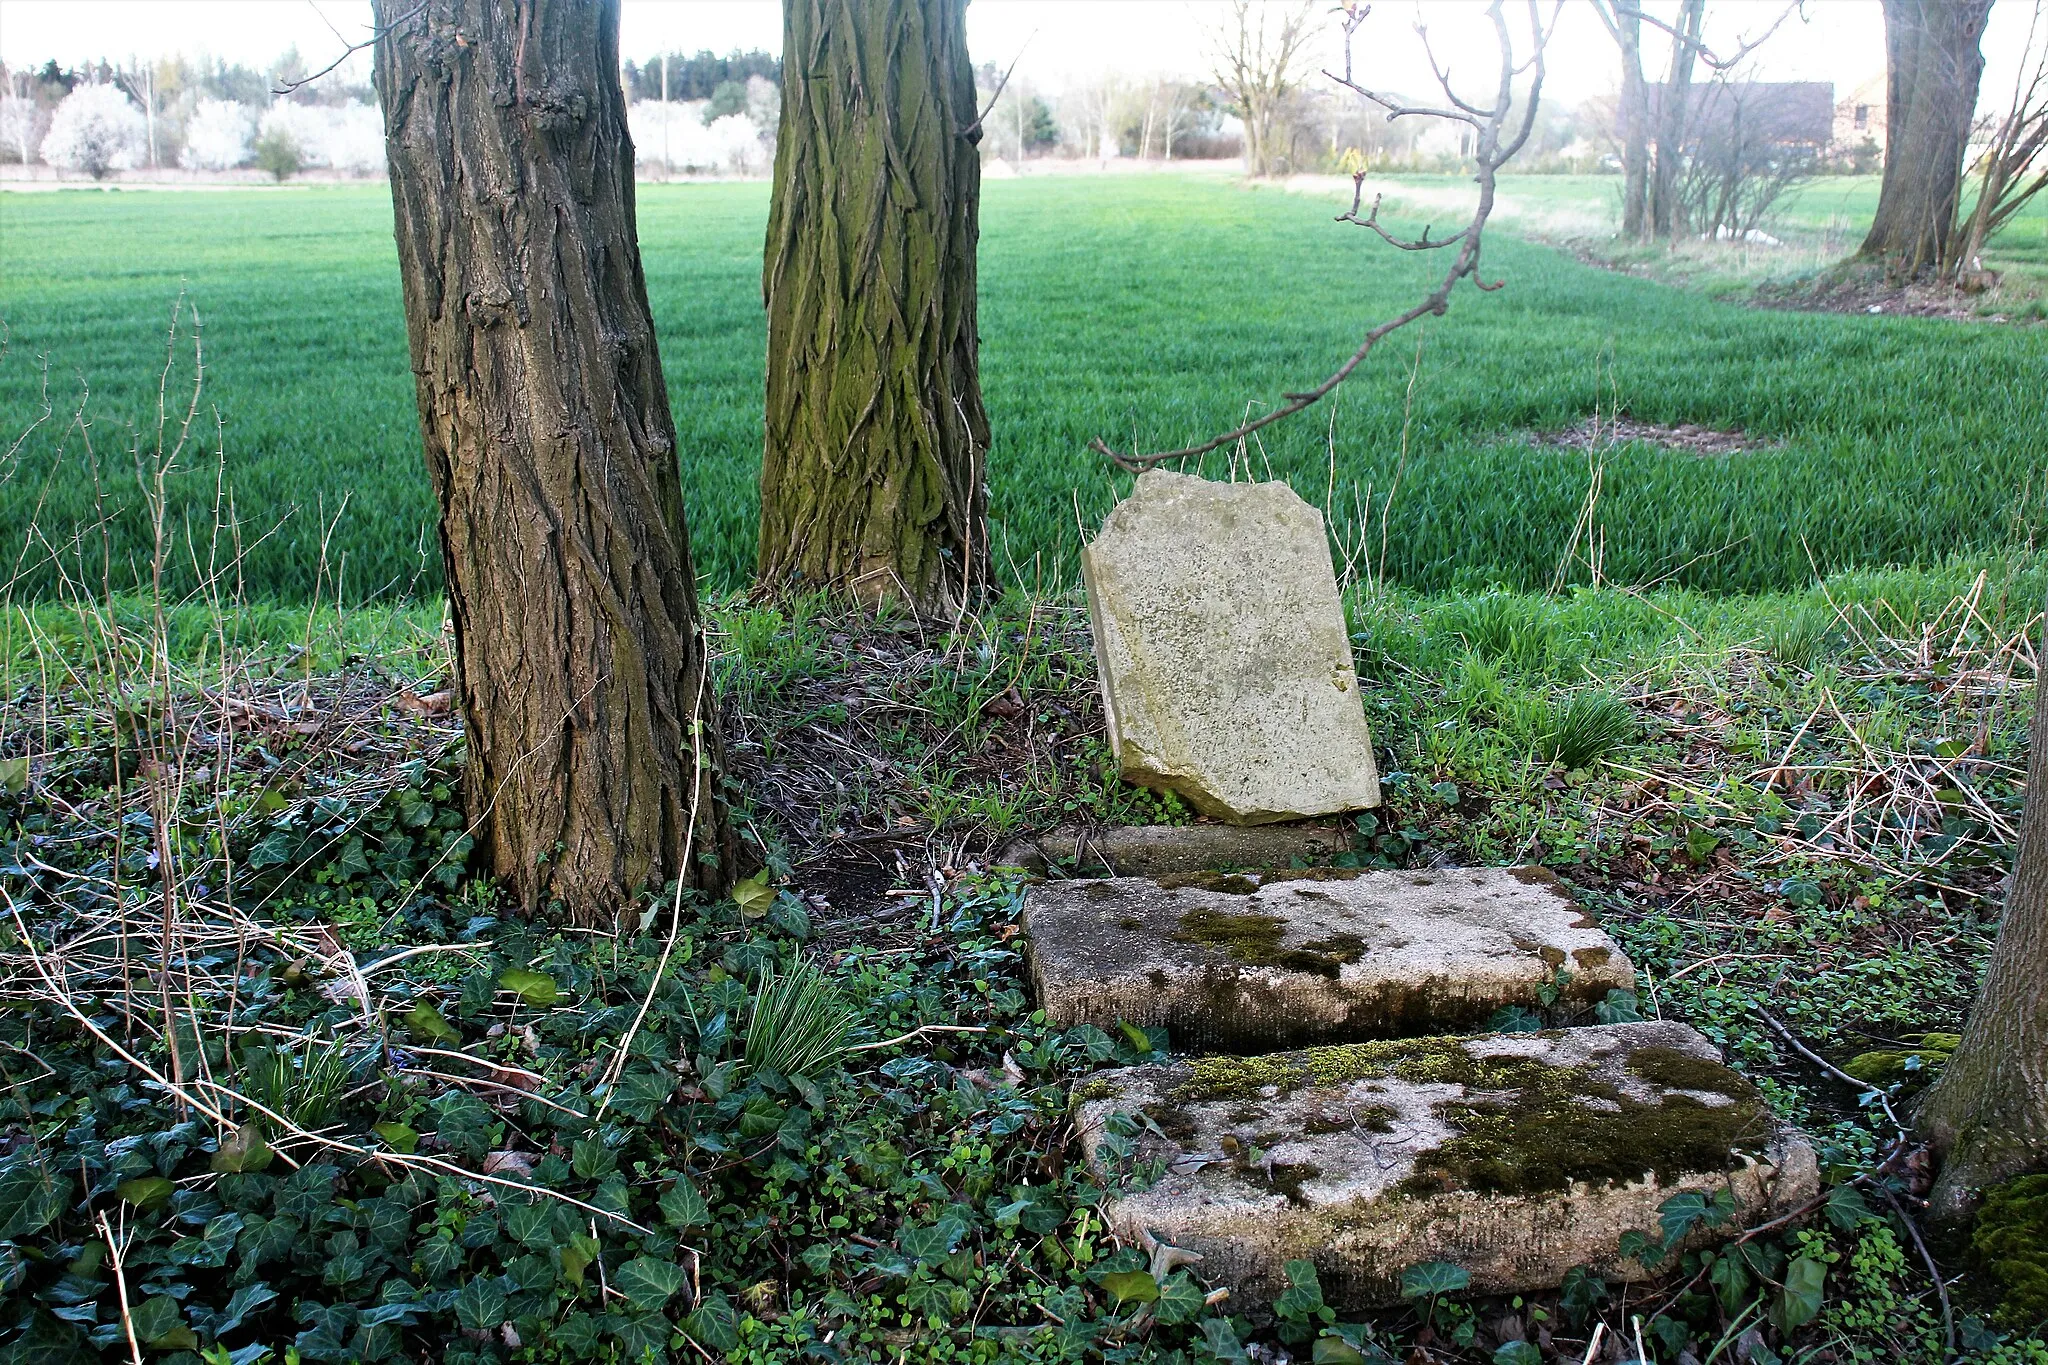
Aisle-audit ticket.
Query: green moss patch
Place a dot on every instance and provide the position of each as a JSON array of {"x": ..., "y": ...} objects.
[
  {"x": 2011, "y": 1239},
  {"x": 1255, "y": 940},
  {"x": 1675, "y": 1070},
  {"x": 1223, "y": 883}
]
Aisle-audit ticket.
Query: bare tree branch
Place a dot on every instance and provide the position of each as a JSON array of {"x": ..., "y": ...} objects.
[
  {"x": 1700, "y": 49},
  {"x": 287, "y": 87},
  {"x": 1491, "y": 153}
]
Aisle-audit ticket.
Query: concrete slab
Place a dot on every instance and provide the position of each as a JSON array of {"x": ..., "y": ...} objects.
[
  {"x": 1248, "y": 962},
  {"x": 1515, "y": 1156},
  {"x": 1223, "y": 654},
  {"x": 1147, "y": 850}
]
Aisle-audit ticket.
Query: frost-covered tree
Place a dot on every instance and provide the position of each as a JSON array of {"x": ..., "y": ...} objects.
[
  {"x": 217, "y": 135},
  {"x": 96, "y": 129}
]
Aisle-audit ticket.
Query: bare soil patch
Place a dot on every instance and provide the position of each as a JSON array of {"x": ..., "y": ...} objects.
[{"x": 1598, "y": 433}]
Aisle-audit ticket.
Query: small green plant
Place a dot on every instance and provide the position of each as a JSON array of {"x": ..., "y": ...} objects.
[
  {"x": 1585, "y": 727},
  {"x": 302, "y": 1084},
  {"x": 278, "y": 153},
  {"x": 799, "y": 1023},
  {"x": 1799, "y": 638}
]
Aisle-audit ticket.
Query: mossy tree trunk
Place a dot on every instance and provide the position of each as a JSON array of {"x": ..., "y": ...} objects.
[
  {"x": 1986, "y": 1116},
  {"x": 1933, "y": 66},
  {"x": 874, "y": 473},
  {"x": 580, "y": 663}
]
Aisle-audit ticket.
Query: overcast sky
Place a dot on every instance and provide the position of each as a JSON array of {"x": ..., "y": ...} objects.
[{"x": 1836, "y": 40}]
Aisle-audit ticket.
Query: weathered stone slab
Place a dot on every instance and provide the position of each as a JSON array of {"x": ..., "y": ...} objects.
[
  {"x": 1148, "y": 850},
  {"x": 1248, "y": 962},
  {"x": 1226, "y": 669},
  {"x": 1516, "y": 1156}
]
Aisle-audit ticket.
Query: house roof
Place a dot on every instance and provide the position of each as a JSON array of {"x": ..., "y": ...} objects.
[{"x": 1784, "y": 111}]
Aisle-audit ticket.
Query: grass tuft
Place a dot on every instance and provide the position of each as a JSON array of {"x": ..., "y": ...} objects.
[
  {"x": 1585, "y": 727},
  {"x": 799, "y": 1024}
]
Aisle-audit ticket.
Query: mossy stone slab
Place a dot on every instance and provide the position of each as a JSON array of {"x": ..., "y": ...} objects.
[
  {"x": 1222, "y": 651},
  {"x": 1250, "y": 962},
  {"x": 1147, "y": 850},
  {"x": 1515, "y": 1156}
]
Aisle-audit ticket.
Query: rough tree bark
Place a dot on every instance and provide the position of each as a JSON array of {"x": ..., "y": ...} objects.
[
  {"x": 1673, "y": 111},
  {"x": 1933, "y": 66},
  {"x": 579, "y": 659},
  {"x": 874, "y": 475},
  {"x": 1986, "y": 1116}
]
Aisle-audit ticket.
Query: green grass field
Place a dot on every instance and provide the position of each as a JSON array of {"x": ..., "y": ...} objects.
[{"x": 1146, "y": 309}]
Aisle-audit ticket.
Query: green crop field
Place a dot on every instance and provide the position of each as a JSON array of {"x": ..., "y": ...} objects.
[{"x": 1146, "y": 309}]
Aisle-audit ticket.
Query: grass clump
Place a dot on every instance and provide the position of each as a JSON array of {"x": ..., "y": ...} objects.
[
  {"x": 1584, "y": 727},
  {"x": 799, "y": 1024}
]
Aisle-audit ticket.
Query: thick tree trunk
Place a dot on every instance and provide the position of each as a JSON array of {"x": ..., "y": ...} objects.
[
  {"x": 873, "y": 479},
  {"x": 580, "y": 663},
  {"x": 1986, "y": 1116},
  {"x": 1672, "y": 115},
  {"x": 1933, "y": 67},
  {"x": 1635, "y": 125}
]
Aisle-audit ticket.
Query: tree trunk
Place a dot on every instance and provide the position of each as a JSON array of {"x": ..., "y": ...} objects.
[
  {"x": 873, "y": 478},
  {"x": 579, "y": 659},
  {"x": 1635, "y": 125},
  {"x": 1672, "y": 114},
  {"x": 1986, "y": 1116},
  {"x": 1933, "y": 65}
]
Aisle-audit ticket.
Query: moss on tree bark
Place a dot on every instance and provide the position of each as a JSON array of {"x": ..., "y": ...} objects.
[
  {"x": 579, "y": 658},
  {"x": 873, "y": 476}
]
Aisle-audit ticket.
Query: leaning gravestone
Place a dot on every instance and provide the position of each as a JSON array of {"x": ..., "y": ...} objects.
[{"x": 1225, "y": 665}]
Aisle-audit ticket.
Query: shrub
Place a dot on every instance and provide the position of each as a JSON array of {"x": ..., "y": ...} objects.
[{"x": 278, "y": 153}]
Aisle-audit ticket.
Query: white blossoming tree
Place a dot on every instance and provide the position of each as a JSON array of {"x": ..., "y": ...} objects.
[
  {"x": 217, "y": 135},
  {"x": 96, "y": 129}
]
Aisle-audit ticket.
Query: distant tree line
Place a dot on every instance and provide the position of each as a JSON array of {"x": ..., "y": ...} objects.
[{"x": 703, "y": 76}]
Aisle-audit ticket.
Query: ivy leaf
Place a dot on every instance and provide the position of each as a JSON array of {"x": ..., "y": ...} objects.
[
  {"x": 1730, "y": 1278},
  {"x": 1303, "y": 1296},
  {"x": 1132, "y": 1286},
  {"x": 426, "y": 1021},
  {"x": 154, "y": 1318},
  {"x": 929, "y": 1245},
  {"x": 241, "y": 1303},
  {"x": 1620, "y": 1007},
  {"x": 714, "y": 1324},
  {"x": 399, "y": 1137},
  {"x": 592, "y": 1160},
  {"x": 1180, "y": 1300},
  {"x": 683, "y": 1207},
  {"x": 481, "y": 1305},
  {"x": 1221, "y": 1339},
  {"x": 244, "y": 1150},
  {"x": 535, "y": 988},
  {"x": 1679, "y": 1214},
  {"x": 1336, "y": 1351},
  {"x": 1433, "y": 1278},
  {"x": 1141, "y": 1041},
  {"x": 577, "y": 1257},
  {"x": 30, "y": 1197},
  {"x": 1846, "y": 1207},
  {"x": 146, "y": 1192},
  {"x": 647, "y": 1282},
  {"x": 1517, "y": 1353},
  {"x": 1799, "y": 1301},
  {"x": 14, "y": 775},
  {"x": 754, "y": 896}
]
